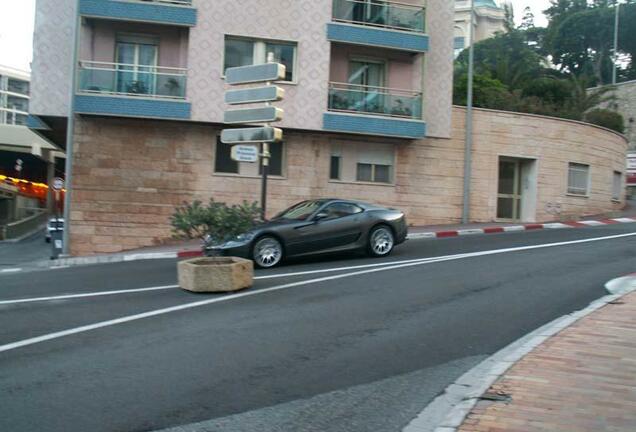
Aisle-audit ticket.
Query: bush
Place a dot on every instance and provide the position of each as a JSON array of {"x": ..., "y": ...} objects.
[
  {"x": 218, "y": 220},
  {"x": 606, "y": 118}
]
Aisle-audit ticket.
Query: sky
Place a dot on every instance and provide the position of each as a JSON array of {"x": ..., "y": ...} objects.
[{"x": 16, "y": 28}]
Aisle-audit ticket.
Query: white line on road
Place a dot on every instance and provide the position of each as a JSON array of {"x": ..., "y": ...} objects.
[
  {"x": 94, "y": 294},
  {"x": 95, "y": 326},
  {"x": 11, "y": 270}
]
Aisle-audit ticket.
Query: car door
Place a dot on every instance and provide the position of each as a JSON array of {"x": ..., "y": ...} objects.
[{"x": 340, "y": 226}]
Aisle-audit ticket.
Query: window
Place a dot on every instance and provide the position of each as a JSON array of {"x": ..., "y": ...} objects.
[
  {"x": 136, "y": 59},
  {"x": 617, "y": 186},
  {"x": 334, "y": 168},
  {"x": 578, "y": 179},
  {"x": 224, "y": 164},
  {"x": 243, "y": 52},
  {"x": 374, "y": 173},
  {"x": 338, "y": 210},
  {"x": 18, "y": 86}
]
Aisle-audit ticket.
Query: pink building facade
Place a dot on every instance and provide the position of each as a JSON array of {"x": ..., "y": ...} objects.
[{"x": 368, "y": 115}]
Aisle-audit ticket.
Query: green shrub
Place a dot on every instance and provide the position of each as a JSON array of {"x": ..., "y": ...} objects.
[
  {"x": 218, "y": 220},
  {"x": 606, "y": 118}
]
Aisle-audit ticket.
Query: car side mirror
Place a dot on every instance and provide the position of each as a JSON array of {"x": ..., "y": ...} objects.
[{"x": 320, "y": 216}]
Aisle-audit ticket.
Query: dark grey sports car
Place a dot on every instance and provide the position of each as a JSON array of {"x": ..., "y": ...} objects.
[{"x": 318, "y": 226}]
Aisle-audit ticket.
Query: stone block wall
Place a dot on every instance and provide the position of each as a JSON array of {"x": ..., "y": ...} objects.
[{"x": 130, "y": 174}]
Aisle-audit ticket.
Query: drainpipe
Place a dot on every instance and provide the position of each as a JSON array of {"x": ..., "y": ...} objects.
[
  {"x": 70, "y": 129},
  {"x": 469, "y": 118}
]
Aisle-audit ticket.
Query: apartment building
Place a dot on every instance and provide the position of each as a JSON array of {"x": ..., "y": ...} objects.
[
  {"x": 368, "y": 113},
  {"x": 14, "y": 96},
  {"x": 490, "y": 18}
]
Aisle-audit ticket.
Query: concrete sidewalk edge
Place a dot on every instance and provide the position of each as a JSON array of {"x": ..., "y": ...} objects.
[
  {"x": 191, "y": 253},
  {"x": 448, "y": 411}
]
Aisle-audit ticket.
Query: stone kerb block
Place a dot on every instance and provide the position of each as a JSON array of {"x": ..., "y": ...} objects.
[{"x": 215, "y": 274}]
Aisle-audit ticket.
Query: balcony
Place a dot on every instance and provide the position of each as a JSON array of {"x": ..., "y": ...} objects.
[
  {"x": 173, "y": 12},
  {"x": 379, "y": 23},
  {"x": 374, "y": 111},
  {"x": 132, "y": 90}
]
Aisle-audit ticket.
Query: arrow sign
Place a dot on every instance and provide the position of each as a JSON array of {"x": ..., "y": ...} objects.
[
  {"x": 251, "y": 135},
  {"x": 253, "y": 115},
  {"x": 256, "y": 73},
  {"x": 254, "y": 95},
  {"x": 245, "y": 153}
]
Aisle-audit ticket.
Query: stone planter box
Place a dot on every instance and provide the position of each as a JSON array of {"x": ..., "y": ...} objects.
[{"x": 215, "y": 274}]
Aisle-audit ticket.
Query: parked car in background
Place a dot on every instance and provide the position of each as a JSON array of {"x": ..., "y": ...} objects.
[
  {"x": 54, "y": 224},
  {"x": 318, "y": 226}
]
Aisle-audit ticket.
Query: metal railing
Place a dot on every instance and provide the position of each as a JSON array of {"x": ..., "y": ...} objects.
[
  {"x": 132, "y": 80},
  {"x": 344, "y": 97},
  {"x": 378, "y": 13}
]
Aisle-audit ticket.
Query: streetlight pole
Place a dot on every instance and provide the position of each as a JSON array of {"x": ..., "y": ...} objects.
[
  {"x": 469, "y": 118},
  {"x": 617, "y": 8}
]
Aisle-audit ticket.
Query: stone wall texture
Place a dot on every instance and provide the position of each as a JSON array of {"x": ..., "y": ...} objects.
[
  {"x": 130, "y": 174},
  {"x": 626, "y": 105}
]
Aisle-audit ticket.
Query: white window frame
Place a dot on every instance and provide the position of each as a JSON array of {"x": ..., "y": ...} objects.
[
  {"x": 617, "y": 186},
  {"x": 259, "y": 53},
  {"x": 577, "y": 191}
]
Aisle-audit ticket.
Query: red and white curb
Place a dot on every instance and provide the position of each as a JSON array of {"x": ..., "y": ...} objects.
[
  {"x": 516, "y": 228},
  {"x": 447, "y": 412}
]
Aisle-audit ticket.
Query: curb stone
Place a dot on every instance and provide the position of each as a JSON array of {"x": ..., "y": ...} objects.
[{"x": 447, "y": 412}]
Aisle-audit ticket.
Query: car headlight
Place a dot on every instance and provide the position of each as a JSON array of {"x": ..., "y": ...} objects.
[{"x": 245, "y": 237}]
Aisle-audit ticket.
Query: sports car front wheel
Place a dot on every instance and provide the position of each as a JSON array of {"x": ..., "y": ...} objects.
[
  {"x": 381, "y": 241},
  {"x": 267, "y": 252}
]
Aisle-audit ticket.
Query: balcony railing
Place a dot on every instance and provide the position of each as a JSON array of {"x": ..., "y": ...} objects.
[
  {"x": 378, "y": 13},
  {"x": 132, "y": 80},
  {"x": 353, "y": 98}
]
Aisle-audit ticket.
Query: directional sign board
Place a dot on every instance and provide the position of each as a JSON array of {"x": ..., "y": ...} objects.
[
  {"x": 255, "y": 73},
  {"x": 245, "y": 153},
  {"x": 253, "y": 115},
  {"x": 254, "y": 95},
  {"x": 251, "y": 135}
]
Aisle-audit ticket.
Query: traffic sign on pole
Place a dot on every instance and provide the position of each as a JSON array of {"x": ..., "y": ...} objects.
[
  {"x": 253, "y": 95},
  {"x": 253, "y": 115},
  {"x": 251, "y": 135},
  {"x": 255, "y": 73},
  {"x": 245, "y": 153},
  {"x": 58, "y": 183}
]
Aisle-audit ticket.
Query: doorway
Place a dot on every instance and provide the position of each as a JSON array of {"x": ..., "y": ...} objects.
[{"x": 517, "y": 187}]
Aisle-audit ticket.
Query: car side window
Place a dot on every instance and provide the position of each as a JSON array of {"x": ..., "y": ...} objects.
[{"x": 338, "y": 210}]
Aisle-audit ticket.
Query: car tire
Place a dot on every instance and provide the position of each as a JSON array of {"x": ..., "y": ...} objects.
[
  {"x": 380, "y": 241},
  {"x": 267, "y": 252}
]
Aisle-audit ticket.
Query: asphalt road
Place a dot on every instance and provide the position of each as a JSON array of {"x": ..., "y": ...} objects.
[
  {"x": 26, "y": 253},
  {"x": 337, "y": 344}
]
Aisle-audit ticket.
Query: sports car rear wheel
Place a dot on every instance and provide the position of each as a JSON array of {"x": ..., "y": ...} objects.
[
  {"x": 381, "y": 241},
  {"x": 267, "y": 252}
]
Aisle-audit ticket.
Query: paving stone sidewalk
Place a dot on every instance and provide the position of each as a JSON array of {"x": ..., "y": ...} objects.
[{"x": 582, "y": 379}]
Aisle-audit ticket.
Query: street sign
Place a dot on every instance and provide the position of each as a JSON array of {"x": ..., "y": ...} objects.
[
  {"x": 266, "y": 134},
  {"x": 58, "y": 184},
  {"x": 245, "y": 153},
  {"x": 253, "y": 115},
  {"x": 255, "y": 73},
  {"x": 254, "y": 95}
]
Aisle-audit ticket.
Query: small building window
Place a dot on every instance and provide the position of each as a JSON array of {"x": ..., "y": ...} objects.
[
  {"x": 241, "y": 51},
  {"x": 223, "y": 162},
  {"x": 617, "y": 186},
  {"x": 374, "y": 173},
  {"x": 578, "y": 179},
  {"x": 275, "y": 161},
  {"x": 334, "y": 169}
]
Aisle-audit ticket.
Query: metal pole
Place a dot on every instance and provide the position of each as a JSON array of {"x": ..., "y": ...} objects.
[
  {"x": 265, "y": 168},
  {"x": 70, "y": 128},
  {"x": 615, "y": 59},
  {"x": 469, "y": 119}
]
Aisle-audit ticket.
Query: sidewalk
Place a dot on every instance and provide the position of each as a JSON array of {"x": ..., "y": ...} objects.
[{"x": 581, "y": 379}]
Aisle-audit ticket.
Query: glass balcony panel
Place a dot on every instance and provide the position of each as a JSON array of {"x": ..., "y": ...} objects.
[
  {"x": 375, "y": 100},
  {"x": 132, "y": 80},
  {"x": 380, "y": 13}
]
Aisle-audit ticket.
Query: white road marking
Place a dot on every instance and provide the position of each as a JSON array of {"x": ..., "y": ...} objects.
[
  {"x": 11, "y": 270},
  {"x": 95, "y": 326},
  {"x": 94, "y": 294}
]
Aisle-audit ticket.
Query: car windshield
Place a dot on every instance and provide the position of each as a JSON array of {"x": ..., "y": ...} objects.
[{"x": 300, "y": 211}]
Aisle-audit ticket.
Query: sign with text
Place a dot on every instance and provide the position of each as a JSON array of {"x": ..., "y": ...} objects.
[
  {"x": 254, "y": 95},
  {"x": 245, "y": 153},
  {"x": 253, "y": 115},
  {"x": 58, "y": 183},
  {"x": 255, "y": 73},
  {"x": 265, "y": 134}
]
